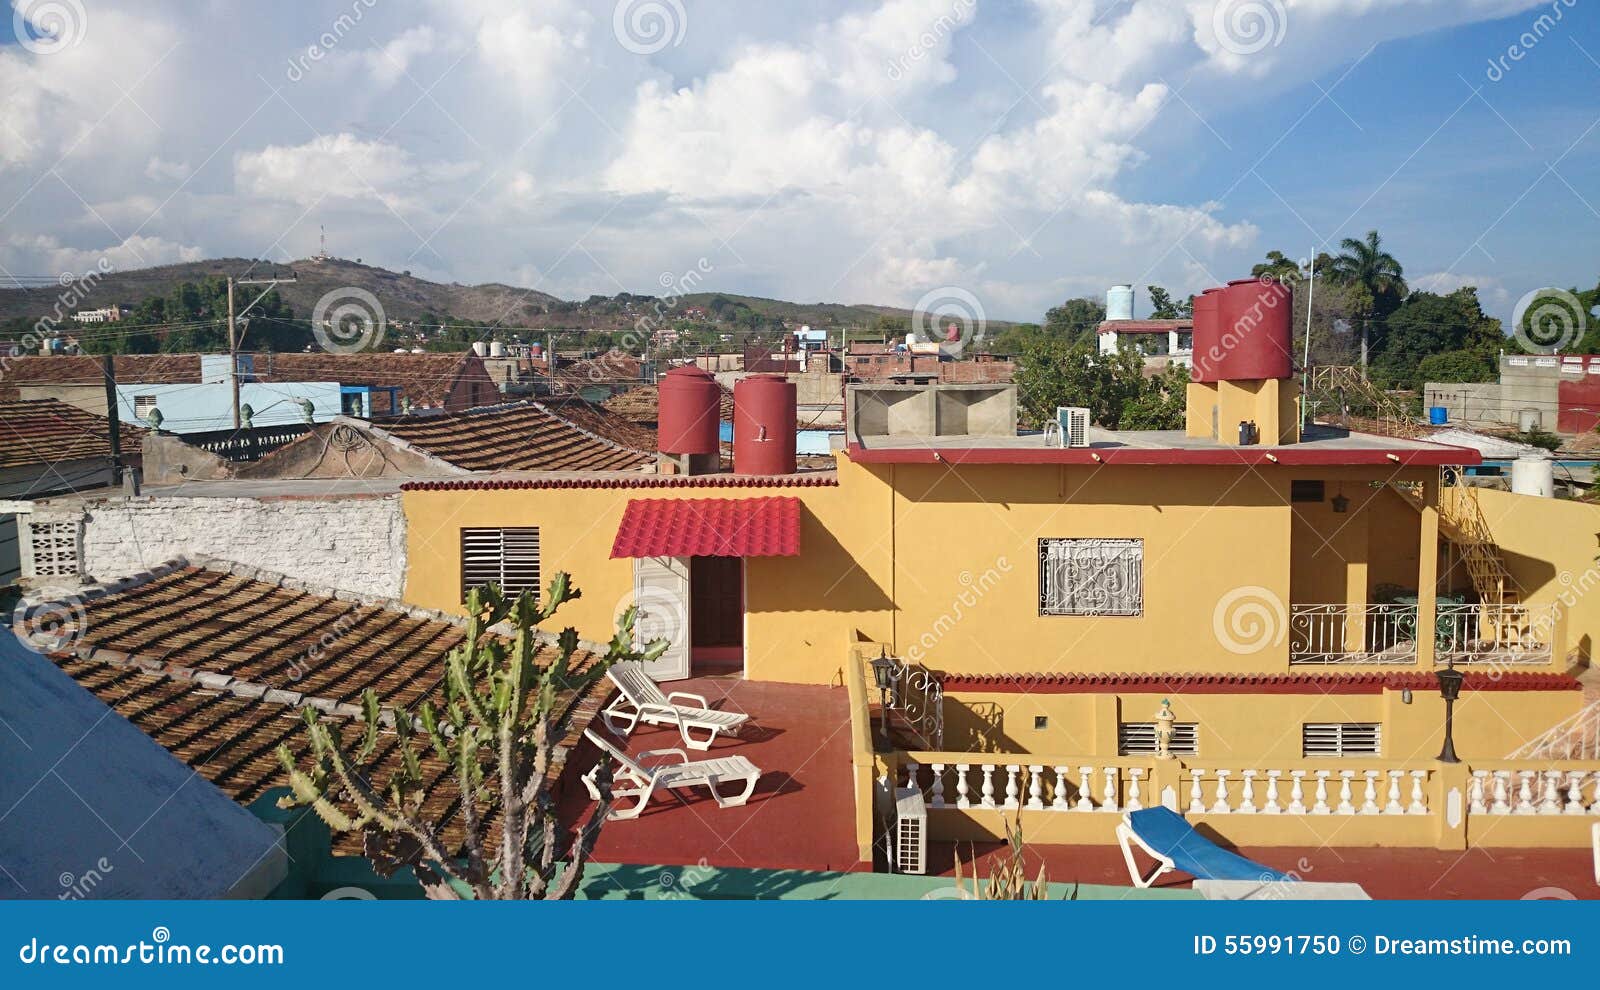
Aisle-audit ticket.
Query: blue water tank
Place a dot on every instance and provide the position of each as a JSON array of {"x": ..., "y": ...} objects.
[{"x": 1438, "y": 416}]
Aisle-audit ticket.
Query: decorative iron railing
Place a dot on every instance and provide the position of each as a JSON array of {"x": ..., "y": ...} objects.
[{"x": 1463, "y": 634}]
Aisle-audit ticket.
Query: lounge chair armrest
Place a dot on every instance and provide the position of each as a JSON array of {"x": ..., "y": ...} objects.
[
  {"x": 647, "y": 754},
  {"x": 700, "y": 698}
]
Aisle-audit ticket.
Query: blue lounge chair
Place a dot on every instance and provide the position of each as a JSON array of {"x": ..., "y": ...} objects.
[{"x": 1175, "y": 844}]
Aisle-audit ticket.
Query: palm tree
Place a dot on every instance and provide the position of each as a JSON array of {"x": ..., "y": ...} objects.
[{"x": 1367, "y": 264}]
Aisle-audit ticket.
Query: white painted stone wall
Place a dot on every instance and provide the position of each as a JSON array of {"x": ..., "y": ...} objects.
[{"x": 351, "y": 544}]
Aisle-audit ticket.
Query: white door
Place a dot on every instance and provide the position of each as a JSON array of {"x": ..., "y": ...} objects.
[{"x": 661, "y": 592}]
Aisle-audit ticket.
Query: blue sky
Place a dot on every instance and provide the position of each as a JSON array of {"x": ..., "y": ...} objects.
[{"x": 888, "y": 151}]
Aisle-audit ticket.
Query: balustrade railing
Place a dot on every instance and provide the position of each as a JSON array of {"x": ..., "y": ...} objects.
[
  {"x": 971, "y": 780},
  {"x": 1331, "y": 791},
  {"x": 1512, "y": 635},
  {"x": 1544, "y": 791}
]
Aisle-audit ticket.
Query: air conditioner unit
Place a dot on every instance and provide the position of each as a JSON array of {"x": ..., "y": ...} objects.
[
  {"x": 1074, "y": 422},
  {"x": 910, "y": 831}
]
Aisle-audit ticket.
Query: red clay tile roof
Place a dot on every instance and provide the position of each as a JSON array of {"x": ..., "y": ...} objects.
[
  {"x": 204, "y": 661},
  {"x": 425, "y": 379},
  {"x": 709, "y": 527},
  {"x": 642, "y": 404},
  {"x": 1365, "y": 682},
  {"x": 612, "y": 366},
  {"x": 602, "y": 422},
  {"x": 49, "y": 431},
  {"x": 81, "y": 369},
  {"x": 525, "y": 437},
  {"x": 818, "y": 479}
]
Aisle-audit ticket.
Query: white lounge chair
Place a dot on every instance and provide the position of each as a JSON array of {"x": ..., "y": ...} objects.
[
  {"x": 634, "y": 778},
  {"x": 640, "y": 700}
]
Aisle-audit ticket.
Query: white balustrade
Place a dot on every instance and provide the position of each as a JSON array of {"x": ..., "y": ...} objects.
[
  {"x": 1035, "y": 787},
  {"x": 1535, "y": 792},
  {"x": 1247, "y": 795},
  {"x": 1012, "y": 770},
  {"x": 1059, "y": 803}
]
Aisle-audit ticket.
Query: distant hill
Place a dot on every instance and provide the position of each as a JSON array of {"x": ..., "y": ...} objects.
[{"x": 405, "y": 297}]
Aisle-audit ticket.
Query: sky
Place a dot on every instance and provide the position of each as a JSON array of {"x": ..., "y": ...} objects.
[{"x": 1010, "y": 153}]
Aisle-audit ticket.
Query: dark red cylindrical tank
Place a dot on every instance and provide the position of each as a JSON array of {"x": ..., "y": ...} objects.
[
  {"x": 1203, "y": 366},
  {"x": 1255, "y": 333},
  {"x": 688, "y": 412},
  {"x": 764, "y": 423}
]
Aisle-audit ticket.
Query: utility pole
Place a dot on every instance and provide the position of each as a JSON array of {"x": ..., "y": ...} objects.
[
  {"x": 1305, "y": 366},
  {"x": 233, "y": 354},
  {"x": 234, "y": 337},
  {"x": 113, "y": 417}
]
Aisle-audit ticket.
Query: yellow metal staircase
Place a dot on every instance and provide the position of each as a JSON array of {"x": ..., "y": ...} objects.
[
  {"x": 1461, "y": 521},
  {"x": 1333, "y": 390}
]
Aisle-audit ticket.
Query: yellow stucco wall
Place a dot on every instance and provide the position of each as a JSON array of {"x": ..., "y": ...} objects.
[
  {"x": 1550, "y": 547},
  {"x": 1247, "y": 726}
]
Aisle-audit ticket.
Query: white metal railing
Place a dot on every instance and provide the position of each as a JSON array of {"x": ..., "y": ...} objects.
[
  {"x": 1534, "y": 792},
  {"x": 1349, "y": 634},
  {"x": 1469, "y": 634},
  {"x": 1334, "y": 791},
  {"x": 1576, "y": 737},
  {"x": 1511, "y": 635},
  {"x": 1021, "y": 781}
]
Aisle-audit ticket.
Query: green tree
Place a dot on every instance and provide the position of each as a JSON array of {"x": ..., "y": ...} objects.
[
  {"x": 1456, "y": 366},
  {"x": 1074, "y": 319},
  {"x": 1366, "y": 264},
  {"x": 502, "y": 718},
  {"x": 1160, "y": 403},
  {"x": 1427, "y": 324},
  {"x": 1052, "y": 371},
  {"x": 1163, "y": 307}
]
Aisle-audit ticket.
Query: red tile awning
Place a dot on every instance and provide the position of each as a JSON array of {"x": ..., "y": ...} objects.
[{"x": 709, "y": 527}]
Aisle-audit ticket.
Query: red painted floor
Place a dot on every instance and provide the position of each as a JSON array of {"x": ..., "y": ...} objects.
[
  {"x": 802, "y": 814},
  {"x": 1385, "y": 873}
]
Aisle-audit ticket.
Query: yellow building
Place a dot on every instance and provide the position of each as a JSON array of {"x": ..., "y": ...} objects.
[{"x": 1051, "y": 599}]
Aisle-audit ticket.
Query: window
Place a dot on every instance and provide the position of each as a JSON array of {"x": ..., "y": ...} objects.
[
  {"x": 1306, "y": 491},
  {"x": 1091, "y": 577},
  {"x": 142, "y": 405},
  {"x": 1341, "y": 739},
  {"x": 1139, "y": 739},
  {"x": 507, "y": 557}
]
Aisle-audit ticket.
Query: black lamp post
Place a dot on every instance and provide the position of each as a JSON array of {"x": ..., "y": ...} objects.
[
  {"x": 1449, "y": 689},
  {"x": 883, "y": 671}
]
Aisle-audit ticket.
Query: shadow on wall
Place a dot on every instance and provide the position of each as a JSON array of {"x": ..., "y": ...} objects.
[{"x": 835, "y": 583}]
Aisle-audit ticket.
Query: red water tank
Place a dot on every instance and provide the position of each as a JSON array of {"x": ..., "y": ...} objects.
[
  {"x": 764, "y": 423},
  {"x": 687, "y": 417},
  {"x": 1255, "y": 335},
  {"x": 1203, "y": 366}
]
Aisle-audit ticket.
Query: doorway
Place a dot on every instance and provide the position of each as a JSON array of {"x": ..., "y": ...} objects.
[{"x": 716, "y": 614}]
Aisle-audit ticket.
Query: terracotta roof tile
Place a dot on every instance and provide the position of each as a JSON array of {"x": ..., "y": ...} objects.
[
  {"x": 426, "y": 379},
  {"x": 201, "y": 660},
  {"x": 525, "y": 437},
  {"x": 642, "y": 404},
  {"x": 709, "y": 527},
  {"x": 49, "y": 431},
  {"x": 1363, "y": 682},
  {"x": 84, "y": 369}
]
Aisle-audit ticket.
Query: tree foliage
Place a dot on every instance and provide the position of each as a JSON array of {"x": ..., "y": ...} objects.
[
  {"x": 1428, "y": 326},
  {"x": 1053, "y": 372},
  {"x": 1074, "y": 319},
  {"x": 1164, "y": 307},
  {"x": 502, "y": 718}
]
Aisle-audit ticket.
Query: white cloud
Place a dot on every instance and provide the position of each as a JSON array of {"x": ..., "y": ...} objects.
[{"x": 870, "y": 153}]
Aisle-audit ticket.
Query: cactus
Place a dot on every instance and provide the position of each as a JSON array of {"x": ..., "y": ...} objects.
[{"x": 497, "y": 731}]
